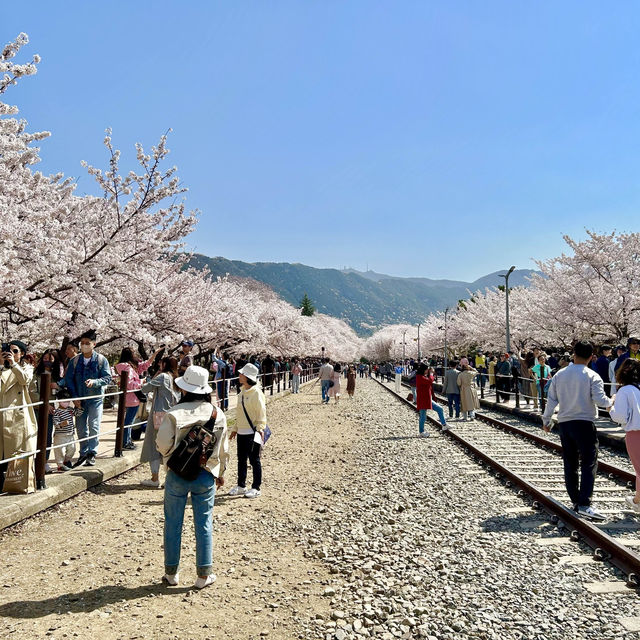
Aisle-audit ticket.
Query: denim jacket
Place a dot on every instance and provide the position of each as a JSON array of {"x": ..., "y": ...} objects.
[{"x": 77, "y": 374}]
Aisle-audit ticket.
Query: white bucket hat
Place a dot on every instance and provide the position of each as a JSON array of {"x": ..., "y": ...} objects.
[
  {"x": 195, "y": 379},
  {"x": 250, "y": 371}
]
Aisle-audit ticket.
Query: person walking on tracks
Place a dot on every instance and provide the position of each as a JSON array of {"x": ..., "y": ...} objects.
[
  {"x": 424, "y": 400},
  {"x": 451, "y": 389},
  {"x": 325, "y": 376},
  {"x": 578, "y": 391},
  {"x": 468, "y": 394}
]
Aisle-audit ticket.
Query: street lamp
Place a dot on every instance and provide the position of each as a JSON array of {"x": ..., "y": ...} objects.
[
  {"x": 404, "y": 333},
  {"x": 419, "y": 323},
  {"x": 506, "y": 288},
  {"x": 446, "y": 313}
]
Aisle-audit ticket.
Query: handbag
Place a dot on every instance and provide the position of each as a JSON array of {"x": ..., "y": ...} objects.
[
  {"x": 192, "y": 452},
  {"x": 266, "y": 434},
  {"x": 141, "y": 396}
]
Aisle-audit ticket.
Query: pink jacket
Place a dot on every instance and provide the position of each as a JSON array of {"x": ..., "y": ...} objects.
[{"x": 134, "y": 382}]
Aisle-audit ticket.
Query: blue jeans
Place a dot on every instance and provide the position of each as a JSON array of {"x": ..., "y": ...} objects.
[
  {"x": 453, "y": 399},
  {"x": 223, "y": 386},
  {"x": 88, "y": 424},
  {"x": 129, "y": 418},
  {"x": 423, "y": 416},
  {"x": 325, "y": 390},
  {"x": 203, "y": 493}
]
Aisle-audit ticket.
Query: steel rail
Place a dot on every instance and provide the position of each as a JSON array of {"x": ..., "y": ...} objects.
[{"x": 604, "y": 546}]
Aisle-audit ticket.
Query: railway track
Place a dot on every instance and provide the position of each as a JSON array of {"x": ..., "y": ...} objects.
[{"x": 534, "y": 466}]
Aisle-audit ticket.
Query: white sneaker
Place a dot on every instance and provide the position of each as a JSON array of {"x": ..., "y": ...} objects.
[
  {"x": 426, "y": 434},
  {"x": 174, "y": 581},
  {"x": 201, "y": 583},
  {"x": 252, "y": 493},
  {"x": 147, "y": 482},
  {"x": 631, "y": 504},
  {"x": 445, "y": 427},
  {"x": 237, "y": 491},
  {"x": 591, "y": 513}
]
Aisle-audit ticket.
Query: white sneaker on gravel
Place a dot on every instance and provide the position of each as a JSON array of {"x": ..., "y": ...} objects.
[
  {"x": 237, "y": 491},
  {"x": 174, "y": 581},
  {"x": 631, "y": 504},
  {"x": 445, "y": 427},
  {"x": 201, "y": 583},
  {"x": 252, "y": 493},
  {"x": 147, "y": 482},
  {"x": 591, "y": 513},
  {"x": 425, "y": 434}
]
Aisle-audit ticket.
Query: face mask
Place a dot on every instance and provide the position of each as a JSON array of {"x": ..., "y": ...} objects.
[
  {"x": 48, "y": 365},
  {"x": 86, "y": 348}
]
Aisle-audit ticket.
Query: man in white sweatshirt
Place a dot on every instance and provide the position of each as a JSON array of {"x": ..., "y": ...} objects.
[{"x": 578, "y": 391}]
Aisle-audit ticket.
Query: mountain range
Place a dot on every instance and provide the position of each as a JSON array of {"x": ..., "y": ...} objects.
[{"x": 365, "y": 300}]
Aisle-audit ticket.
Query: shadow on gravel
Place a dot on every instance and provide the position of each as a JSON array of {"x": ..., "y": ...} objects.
[
  {"x": 515, "y": 523},
  {"x": 84, "y": 601},
  {"x": 400, "y": 438}
]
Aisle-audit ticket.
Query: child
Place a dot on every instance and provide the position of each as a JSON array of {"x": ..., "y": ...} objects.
[{"x": 63, "y": 435}]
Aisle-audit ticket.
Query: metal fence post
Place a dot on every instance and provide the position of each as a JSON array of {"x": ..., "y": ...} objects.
[
  {"x": 542, "y": 398},
  {"x": 223, "y": 395},
  {"x": 43, "y": 427},
  {"x": 122, "y": 408},
  {"x": 517, "y": 390}
]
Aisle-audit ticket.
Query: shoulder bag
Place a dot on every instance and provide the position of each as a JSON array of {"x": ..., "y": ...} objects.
[{"x": 266, "y": 434}]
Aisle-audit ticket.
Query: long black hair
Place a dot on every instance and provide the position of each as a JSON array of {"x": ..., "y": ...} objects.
[{"x": 189, "y": 396}]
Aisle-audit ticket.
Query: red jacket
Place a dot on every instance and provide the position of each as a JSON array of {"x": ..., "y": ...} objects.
[{"x": 424, "y": 392}]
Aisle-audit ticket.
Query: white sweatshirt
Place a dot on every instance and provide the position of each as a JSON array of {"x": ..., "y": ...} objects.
[{"x": 626, "y": 408}]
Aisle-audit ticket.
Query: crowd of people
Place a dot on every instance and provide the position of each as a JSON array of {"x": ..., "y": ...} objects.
[{"x": 573, "y": 384}]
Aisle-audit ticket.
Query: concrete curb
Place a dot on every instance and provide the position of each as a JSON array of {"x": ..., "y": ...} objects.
[{"x": 61, "y": 487}]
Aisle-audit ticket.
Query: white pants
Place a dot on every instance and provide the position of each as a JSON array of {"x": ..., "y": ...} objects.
[
  {"x": 64, "y": 453},
  {"x": 398, "y": 382}
]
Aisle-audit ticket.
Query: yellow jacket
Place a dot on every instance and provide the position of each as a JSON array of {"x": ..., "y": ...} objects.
[{"x": 256, "y": 407}]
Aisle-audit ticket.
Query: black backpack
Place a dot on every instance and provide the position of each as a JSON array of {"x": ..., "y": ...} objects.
[{"x": 192, "y": 452}]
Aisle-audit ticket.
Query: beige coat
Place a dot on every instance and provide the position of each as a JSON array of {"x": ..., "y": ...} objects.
[
  {"x": 18, "y": 427},
  {"x": 468, "y": 393}
]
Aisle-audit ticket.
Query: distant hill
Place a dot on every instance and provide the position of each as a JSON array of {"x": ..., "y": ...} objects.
[{"x": 364, "y": 300}]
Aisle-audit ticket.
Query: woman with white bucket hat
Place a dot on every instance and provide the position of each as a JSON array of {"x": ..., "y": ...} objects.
[
  {"x": 251, "y": 419},
  {"x": 195, "y": 407}
]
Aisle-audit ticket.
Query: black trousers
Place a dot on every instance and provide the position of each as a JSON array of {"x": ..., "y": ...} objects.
[
  {"x": 579, "y": 440},
  {"x": 502, "y": 384},
  {"x": 250, "y": 451}
]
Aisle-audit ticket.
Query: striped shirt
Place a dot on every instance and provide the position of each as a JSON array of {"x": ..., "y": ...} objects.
[{"x": 63, "y": 421}]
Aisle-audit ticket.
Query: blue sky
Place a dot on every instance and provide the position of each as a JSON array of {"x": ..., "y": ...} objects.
[{"x": 438, "y": 139}]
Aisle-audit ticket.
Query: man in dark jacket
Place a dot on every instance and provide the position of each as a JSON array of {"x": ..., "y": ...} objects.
[
  {"x": 602, "y": 367},
  {"x": 633, "y": 346},
  {"x": 503, "y": 378}
]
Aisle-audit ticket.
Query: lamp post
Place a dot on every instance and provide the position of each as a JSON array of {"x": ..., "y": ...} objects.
[
  {"x": 404, "y": 333},
  {"x": 506, "y": 288},
  {"x": 446, "y": 313},
  {"x": 419, "y": 323}
]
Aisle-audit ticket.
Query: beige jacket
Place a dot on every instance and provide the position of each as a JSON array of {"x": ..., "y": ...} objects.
[
  {"x": 256, "y": 407},
  {"x": 18, "y": 427},
  {"x": 176, "y": 424}
]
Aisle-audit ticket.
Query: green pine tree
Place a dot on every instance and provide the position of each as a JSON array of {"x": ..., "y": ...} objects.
[{"x": 307, "y": 306}]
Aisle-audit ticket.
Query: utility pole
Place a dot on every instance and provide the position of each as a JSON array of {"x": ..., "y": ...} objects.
[
  {"x": 419, "y": 323},
  {"x": 506, "y": 288},
  {"x": 404, "y": 333}
]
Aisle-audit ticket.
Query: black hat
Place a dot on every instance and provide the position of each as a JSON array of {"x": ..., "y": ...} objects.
[
  {"x": 89, "y": 335},
  {"x": 21, "y": 345}
]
